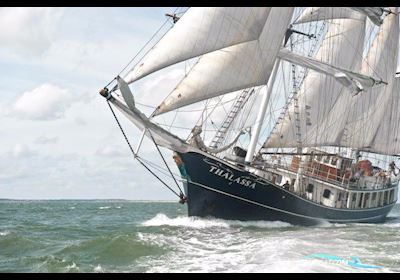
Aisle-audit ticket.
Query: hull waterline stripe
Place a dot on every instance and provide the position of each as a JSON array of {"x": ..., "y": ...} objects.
[
  {"x": 295, "y": 195},
  {"x": 280, "y": 210}
]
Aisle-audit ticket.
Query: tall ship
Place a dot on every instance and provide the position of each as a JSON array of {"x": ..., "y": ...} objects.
[{"x": 280, "y": 113}]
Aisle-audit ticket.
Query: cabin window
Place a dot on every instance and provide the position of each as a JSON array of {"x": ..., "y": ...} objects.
[
  {"x": 327, "y": 159},
  {"x": 334, "y": 160},
  {"x": 279, "y": 179},
  {"x": 385, "y": 197},
  {"x": 374, "y": 196},
  {"x": 361, "y": 200},
  {"x": 310, "y": 188},
  {"x": 391, "y": 197},
  {"x": 327, "y": 193}
]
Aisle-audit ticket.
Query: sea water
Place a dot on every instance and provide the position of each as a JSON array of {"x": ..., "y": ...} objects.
[{"x": 129, "y": 236}]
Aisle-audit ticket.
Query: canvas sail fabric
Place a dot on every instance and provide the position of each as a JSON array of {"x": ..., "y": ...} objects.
[
  {"x": 161, "y": 136},
  {"x": 374, "y": 13},
  {"x": 234, "y": 68},
  {"x": 387, "y": 140},
  {"x": 342, "y": 46},
  {"x": 353, "y": 80},
  {"x": 202, "y": 30},
  {"x": 361, "y": 121},
  {"x": 327, "y": 13},
  {"x": 369, "y": 119}
]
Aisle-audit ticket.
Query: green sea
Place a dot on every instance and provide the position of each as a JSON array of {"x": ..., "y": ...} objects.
[{"x": 129, "y": 236}]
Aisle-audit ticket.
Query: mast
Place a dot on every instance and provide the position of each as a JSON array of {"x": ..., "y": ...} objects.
[{"x": 261, "y": 114}]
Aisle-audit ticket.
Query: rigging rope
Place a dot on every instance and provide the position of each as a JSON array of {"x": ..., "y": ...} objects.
[
  {"x": 158, "y": 149},
  {"x": 144, "y": 46},
  {"x": 180, "y": 195}
]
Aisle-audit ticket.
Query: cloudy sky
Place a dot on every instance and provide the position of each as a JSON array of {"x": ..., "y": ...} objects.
[{"x": 58, "y": 137}]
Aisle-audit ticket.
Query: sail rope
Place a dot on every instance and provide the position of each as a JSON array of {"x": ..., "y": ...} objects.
[
  {"x": 181, "y": 196},
  {"x": 144, "y": 46},
  {"x": 159, "y": 151}
]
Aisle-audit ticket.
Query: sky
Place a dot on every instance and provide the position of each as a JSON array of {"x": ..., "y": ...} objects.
[{"x": 58, "y": 137}]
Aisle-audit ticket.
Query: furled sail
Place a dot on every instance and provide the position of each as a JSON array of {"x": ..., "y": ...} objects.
[
  {"x": 341, "y": 46},
  {"x": 233, "y": 68},
  {"x": 353, "y": 80},
  {"x": 202, "y": 30}
]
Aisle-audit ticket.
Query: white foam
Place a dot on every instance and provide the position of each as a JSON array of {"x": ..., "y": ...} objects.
[
  {"x": 195, "y": 222},
  {"x": 98, "y": 269},
  {"x": 104, "y": 207},
  {"x": 4, "y": 233},
  {"x": 72, "y": 266}
]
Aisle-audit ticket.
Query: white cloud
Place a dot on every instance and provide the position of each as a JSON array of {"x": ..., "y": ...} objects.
[
  {"x": 111, "y": 151},
  {"x": 46, "y": 140},
  {"x": 28, "y": 30},
  {"x": 46, "y": 102},
  {"x": 21, "y": 151}
]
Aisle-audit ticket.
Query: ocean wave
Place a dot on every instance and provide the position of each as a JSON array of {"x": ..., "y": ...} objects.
[
  {"x": 4, "y": 233},
  {"x": 72, "y": 267},
  {"x": 195, "y": 222},
  {"x": 112, "y": 249},
  {"x": 98, "y": 269},
  {"x": 104, "y": 207}
]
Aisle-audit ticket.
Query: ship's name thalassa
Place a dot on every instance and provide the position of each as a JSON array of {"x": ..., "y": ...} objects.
[{"x": 231, "y": 177}]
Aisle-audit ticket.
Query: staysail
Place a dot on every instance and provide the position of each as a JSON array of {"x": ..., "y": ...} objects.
[
  {"x": 202, "y": 30},
  {"x": 234, "y": 68}
]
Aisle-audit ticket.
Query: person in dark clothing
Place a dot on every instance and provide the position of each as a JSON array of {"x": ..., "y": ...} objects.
[{"x": 286, "y": 186}]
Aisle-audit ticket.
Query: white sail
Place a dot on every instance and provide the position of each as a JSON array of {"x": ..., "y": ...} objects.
[
  {"x": 387, "y": 140},
  {"x": 368, "y": 112},
  {"x": 355, "y": 122},
  {"x": 327, "y": 13},
  {"x": 202, "y": 30},
  {"x": 356, "y": 81},
  {"x": 342, "y": 46},
  {"x": 233, "y": 68},
  {"x": 373, "y": 13}
]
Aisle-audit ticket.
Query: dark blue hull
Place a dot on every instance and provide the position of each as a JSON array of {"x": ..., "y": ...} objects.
[{"x": 224, "y": 191}]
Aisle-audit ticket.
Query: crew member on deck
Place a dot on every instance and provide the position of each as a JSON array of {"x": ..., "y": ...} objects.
[
  {"x": 286, "y": 186},
  {"x": 392, "y": 168}
]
